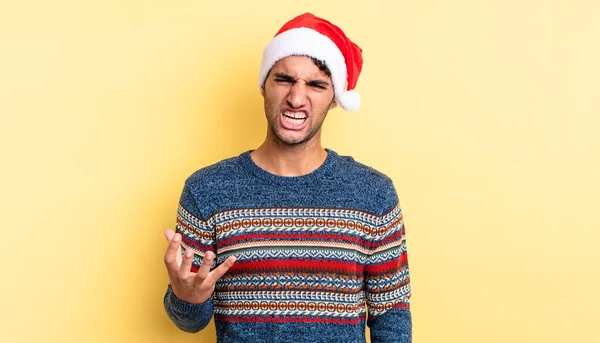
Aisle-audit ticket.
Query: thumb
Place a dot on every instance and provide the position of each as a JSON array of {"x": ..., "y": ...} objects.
[{"x": 169, "y": 234}]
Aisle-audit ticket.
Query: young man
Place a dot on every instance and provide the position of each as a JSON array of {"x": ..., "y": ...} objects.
[{"x": 292, "y": 242}]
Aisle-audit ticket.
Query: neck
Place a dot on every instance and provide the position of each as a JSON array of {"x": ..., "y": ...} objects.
[{"x": 283, "y": 159}]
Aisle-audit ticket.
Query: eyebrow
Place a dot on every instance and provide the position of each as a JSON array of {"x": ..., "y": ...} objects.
[
  {"x": 318, "y": 83},
  {"x": 289, "y": 78},
  {"x": 284, "y": 77}
]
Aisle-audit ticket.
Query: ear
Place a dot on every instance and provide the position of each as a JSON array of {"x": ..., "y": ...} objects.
[
  {"x": 262, "y": 88},
  {"x": 333, "y": 103}
]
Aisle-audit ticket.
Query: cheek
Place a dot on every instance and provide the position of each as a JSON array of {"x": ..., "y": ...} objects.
[
  {"x": 322, "y": 101},
  {"x": 273, "y": 97},
  {"x": 272, "y": 108},
  {"x": 270, "y": 103}
]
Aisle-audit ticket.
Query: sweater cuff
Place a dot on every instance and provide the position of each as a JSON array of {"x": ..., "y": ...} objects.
[{"x": 180, "y": 306}]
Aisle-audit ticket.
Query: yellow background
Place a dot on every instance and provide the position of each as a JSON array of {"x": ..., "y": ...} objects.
[{"x": 484, "y": 113}]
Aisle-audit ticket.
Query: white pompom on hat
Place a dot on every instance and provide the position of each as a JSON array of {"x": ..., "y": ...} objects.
[{"x": 308, "y": 35}]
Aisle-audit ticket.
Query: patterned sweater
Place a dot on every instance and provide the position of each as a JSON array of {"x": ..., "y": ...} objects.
[{"x": 318, "y": 256}]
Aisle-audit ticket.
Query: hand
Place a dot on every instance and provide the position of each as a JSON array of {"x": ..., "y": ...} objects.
[{"x": 191, "y": 287}]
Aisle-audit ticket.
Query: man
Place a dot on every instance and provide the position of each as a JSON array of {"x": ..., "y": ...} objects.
[{"x": 292, "y": 242}]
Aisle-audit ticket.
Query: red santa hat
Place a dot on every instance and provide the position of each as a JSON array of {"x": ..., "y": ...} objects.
[{"x": 308, "y": 35}]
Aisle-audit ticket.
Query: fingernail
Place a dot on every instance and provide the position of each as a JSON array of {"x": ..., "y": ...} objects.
[
  {"x": 233, "y": 259},
  {"x": 177, "y": 237},
  {"x": 188, "y": 253},
  {"x": 208, "y": 255}
]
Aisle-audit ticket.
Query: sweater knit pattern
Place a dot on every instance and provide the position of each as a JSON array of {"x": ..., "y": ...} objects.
[{"x": 315, "y": 250}]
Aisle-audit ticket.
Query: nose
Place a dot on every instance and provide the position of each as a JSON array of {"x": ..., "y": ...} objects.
[{"x": 297, "y": 97}]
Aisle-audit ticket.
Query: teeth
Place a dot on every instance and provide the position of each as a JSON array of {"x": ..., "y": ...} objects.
[
  {"x": 296, "y": 115},
  {"x": 293, "y": 121}
]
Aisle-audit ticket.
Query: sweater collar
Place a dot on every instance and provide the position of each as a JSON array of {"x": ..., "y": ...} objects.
[{"x": 325, "y": 171}]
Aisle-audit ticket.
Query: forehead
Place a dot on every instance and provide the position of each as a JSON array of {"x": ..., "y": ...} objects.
[{"x": 300, "y": 67}]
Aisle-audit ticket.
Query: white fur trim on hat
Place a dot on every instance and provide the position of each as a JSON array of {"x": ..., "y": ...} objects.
[
  {"x": 350, "y": 100},
  {"x": 308, "y": 42}
]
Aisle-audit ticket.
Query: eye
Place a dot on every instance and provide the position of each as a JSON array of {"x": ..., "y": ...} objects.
[
  {"x": 283, "y": 80},
  {"x": 317, "y": 85}
]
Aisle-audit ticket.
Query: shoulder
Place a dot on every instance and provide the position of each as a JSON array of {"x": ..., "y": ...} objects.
[
  {"x": 371, "y": 182},
  {"x": 215, "y": 174},
  {"x": 357, "y": 171},
  {"x": 209, "y": 183}
]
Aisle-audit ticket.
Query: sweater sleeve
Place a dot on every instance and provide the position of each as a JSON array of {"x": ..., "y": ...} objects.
[
  {"x": 198, "y": 235},
  {"x": 387, "y": 289}
]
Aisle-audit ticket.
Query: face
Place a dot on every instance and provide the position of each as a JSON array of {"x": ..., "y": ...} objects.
[{"x": 297, "y": 96}]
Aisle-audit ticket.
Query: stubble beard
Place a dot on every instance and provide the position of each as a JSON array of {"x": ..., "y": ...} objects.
[{"x": 274, "y": 121}]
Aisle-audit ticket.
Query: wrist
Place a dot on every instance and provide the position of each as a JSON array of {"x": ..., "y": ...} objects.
[{"x": 180, "y": 296}]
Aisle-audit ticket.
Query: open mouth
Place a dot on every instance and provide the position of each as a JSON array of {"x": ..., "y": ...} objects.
[{"x": 295, "y": 118}]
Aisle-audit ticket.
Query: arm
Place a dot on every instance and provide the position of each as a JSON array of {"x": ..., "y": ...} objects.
[
  {"x": 187, "y": 317},
  {"x": 388, "y": 283},
  {"x": 188, "y": 300}
]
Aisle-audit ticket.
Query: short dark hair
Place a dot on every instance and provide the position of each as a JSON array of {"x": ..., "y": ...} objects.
[{"x": 322, "y": 66}]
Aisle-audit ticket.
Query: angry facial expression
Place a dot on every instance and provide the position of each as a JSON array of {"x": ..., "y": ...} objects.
[{"x": 297, "y": 96}]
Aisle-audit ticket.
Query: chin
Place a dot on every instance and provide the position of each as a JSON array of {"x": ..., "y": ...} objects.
[
  {"x": 295, "y": 141},
  {"x": 290, "y": 140}
]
